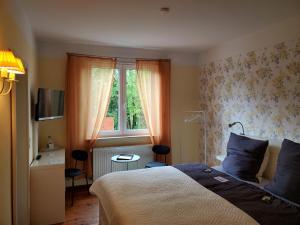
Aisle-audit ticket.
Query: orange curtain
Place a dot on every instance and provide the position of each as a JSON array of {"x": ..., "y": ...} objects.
[
  {"x": 88, "y": 88},
  {"x": 153, "y": 81}
]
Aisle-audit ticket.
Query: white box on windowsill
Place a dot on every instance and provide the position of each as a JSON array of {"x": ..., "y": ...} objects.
[
  {"x": 55, "y": 148},
  {"x": 221, "y": 157}
]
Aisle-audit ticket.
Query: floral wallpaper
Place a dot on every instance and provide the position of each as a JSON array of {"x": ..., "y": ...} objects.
[{"x": 260, "y": 88}]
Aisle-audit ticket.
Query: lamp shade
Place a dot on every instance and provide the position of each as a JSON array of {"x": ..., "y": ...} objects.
[
  {"x": 20, "y": 69},
  {"x": 8, "y": 61}
]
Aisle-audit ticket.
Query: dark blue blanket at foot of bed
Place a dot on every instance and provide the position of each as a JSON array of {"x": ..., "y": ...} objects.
[{"x": 247, "y": 197}]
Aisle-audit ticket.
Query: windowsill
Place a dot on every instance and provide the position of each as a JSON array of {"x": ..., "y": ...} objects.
[
  {"x": 123, "y": 137},
  {"x": 134, "y": 139}
]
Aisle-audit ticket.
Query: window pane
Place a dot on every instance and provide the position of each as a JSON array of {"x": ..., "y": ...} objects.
[
  {"x": 134, "y": 113},
  {"x": 111, "y": 121}
]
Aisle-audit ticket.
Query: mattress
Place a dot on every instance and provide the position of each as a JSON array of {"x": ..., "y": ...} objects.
[
  {"x": 246, "y": 196},
  {"x": 148, "y": 188},
  {"x": 162, "y": 196}
]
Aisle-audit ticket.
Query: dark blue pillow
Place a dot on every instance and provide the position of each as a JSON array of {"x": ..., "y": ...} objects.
[
  {"x": 244, "y": 157},
  {"x": 286, "y": 182}
]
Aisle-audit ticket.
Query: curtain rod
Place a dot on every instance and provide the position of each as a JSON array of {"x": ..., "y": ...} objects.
[{"x": 115, "y": 57}]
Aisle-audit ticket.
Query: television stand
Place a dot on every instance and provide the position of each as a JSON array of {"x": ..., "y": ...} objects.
[{"x": 47, "y": 188}]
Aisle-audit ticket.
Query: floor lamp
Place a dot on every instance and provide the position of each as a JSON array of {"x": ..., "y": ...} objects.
[{"x": 197, "y": 117}]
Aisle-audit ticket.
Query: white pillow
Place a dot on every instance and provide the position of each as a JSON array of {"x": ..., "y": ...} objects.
[
  {"x": 264, "y": 165},
  {"x": 265, "y": 162}
]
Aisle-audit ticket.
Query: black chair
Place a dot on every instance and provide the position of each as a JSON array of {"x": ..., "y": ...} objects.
[
  {"x": 77, "y": 155},
  {"x": 159, "y": 150}
]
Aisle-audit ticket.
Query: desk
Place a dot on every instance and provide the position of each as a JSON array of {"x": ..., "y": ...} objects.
[
  {"x": 135, "y": 158},
  {"x": 47, "y": 188}
]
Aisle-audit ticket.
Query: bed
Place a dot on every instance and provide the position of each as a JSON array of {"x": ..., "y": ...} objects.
[{"x": 190, "y": 194}]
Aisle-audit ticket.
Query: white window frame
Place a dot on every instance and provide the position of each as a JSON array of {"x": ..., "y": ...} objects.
[{"x": 123, "y": 131}]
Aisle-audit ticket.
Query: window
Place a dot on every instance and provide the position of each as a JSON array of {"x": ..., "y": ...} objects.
[{"x": 125, "y": 115}]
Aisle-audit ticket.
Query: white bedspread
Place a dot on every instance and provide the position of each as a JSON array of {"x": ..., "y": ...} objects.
[{"x": 163, "y": 196}]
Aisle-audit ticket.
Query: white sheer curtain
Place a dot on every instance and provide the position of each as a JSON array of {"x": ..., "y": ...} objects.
[
  {"x": 148, "y": 83},
  {"x": 88, "y": 87},
  {"x": 153, "y": 80}
]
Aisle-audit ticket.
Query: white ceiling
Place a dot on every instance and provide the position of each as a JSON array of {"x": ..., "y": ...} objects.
[{"x": 191, "y": 25}]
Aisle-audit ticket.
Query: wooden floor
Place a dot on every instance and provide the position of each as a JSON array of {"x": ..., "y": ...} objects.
[{"x": 85, "y": 210}]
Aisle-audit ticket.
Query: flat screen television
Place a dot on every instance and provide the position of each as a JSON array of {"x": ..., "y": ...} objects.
[{"x": 50, "y": 104}]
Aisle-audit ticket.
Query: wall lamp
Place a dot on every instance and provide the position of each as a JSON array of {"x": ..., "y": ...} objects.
[
  {"x": 234, "y": 123},
  {"x": 9, "y": 67}
]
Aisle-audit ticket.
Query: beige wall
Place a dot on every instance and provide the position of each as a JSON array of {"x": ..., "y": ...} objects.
[
  {"x": 51, "y": 75},
  {"x": 15, "y": 34},
  {"x": 184, "y": 97},
  {"x": 285, "y": 30},
  {"x": 51, "y": 69},
  {"x": 254, "y": 79}
]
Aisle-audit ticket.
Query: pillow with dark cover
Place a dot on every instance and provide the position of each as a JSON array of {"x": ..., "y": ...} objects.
[
  {"x": 286, "y": 182},
  {"x": 244, "y": 157}
]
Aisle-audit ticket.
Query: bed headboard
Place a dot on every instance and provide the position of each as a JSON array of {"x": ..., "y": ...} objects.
[{"x": 274, "y": 147}]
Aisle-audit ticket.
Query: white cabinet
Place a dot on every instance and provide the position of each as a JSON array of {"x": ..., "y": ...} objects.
[{"x": 47, "y": 188}]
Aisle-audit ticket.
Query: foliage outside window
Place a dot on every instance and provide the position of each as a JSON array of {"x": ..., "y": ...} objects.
[
  {"x": 125, "y": 115},
  {"x": 134, "y": 114},
  {"x": 113, "y": 108}
]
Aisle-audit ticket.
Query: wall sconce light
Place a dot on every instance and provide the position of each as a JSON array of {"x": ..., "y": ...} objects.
[
  {"x": 234, "y": 123},
  {"x": 9, "y": 67}
]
